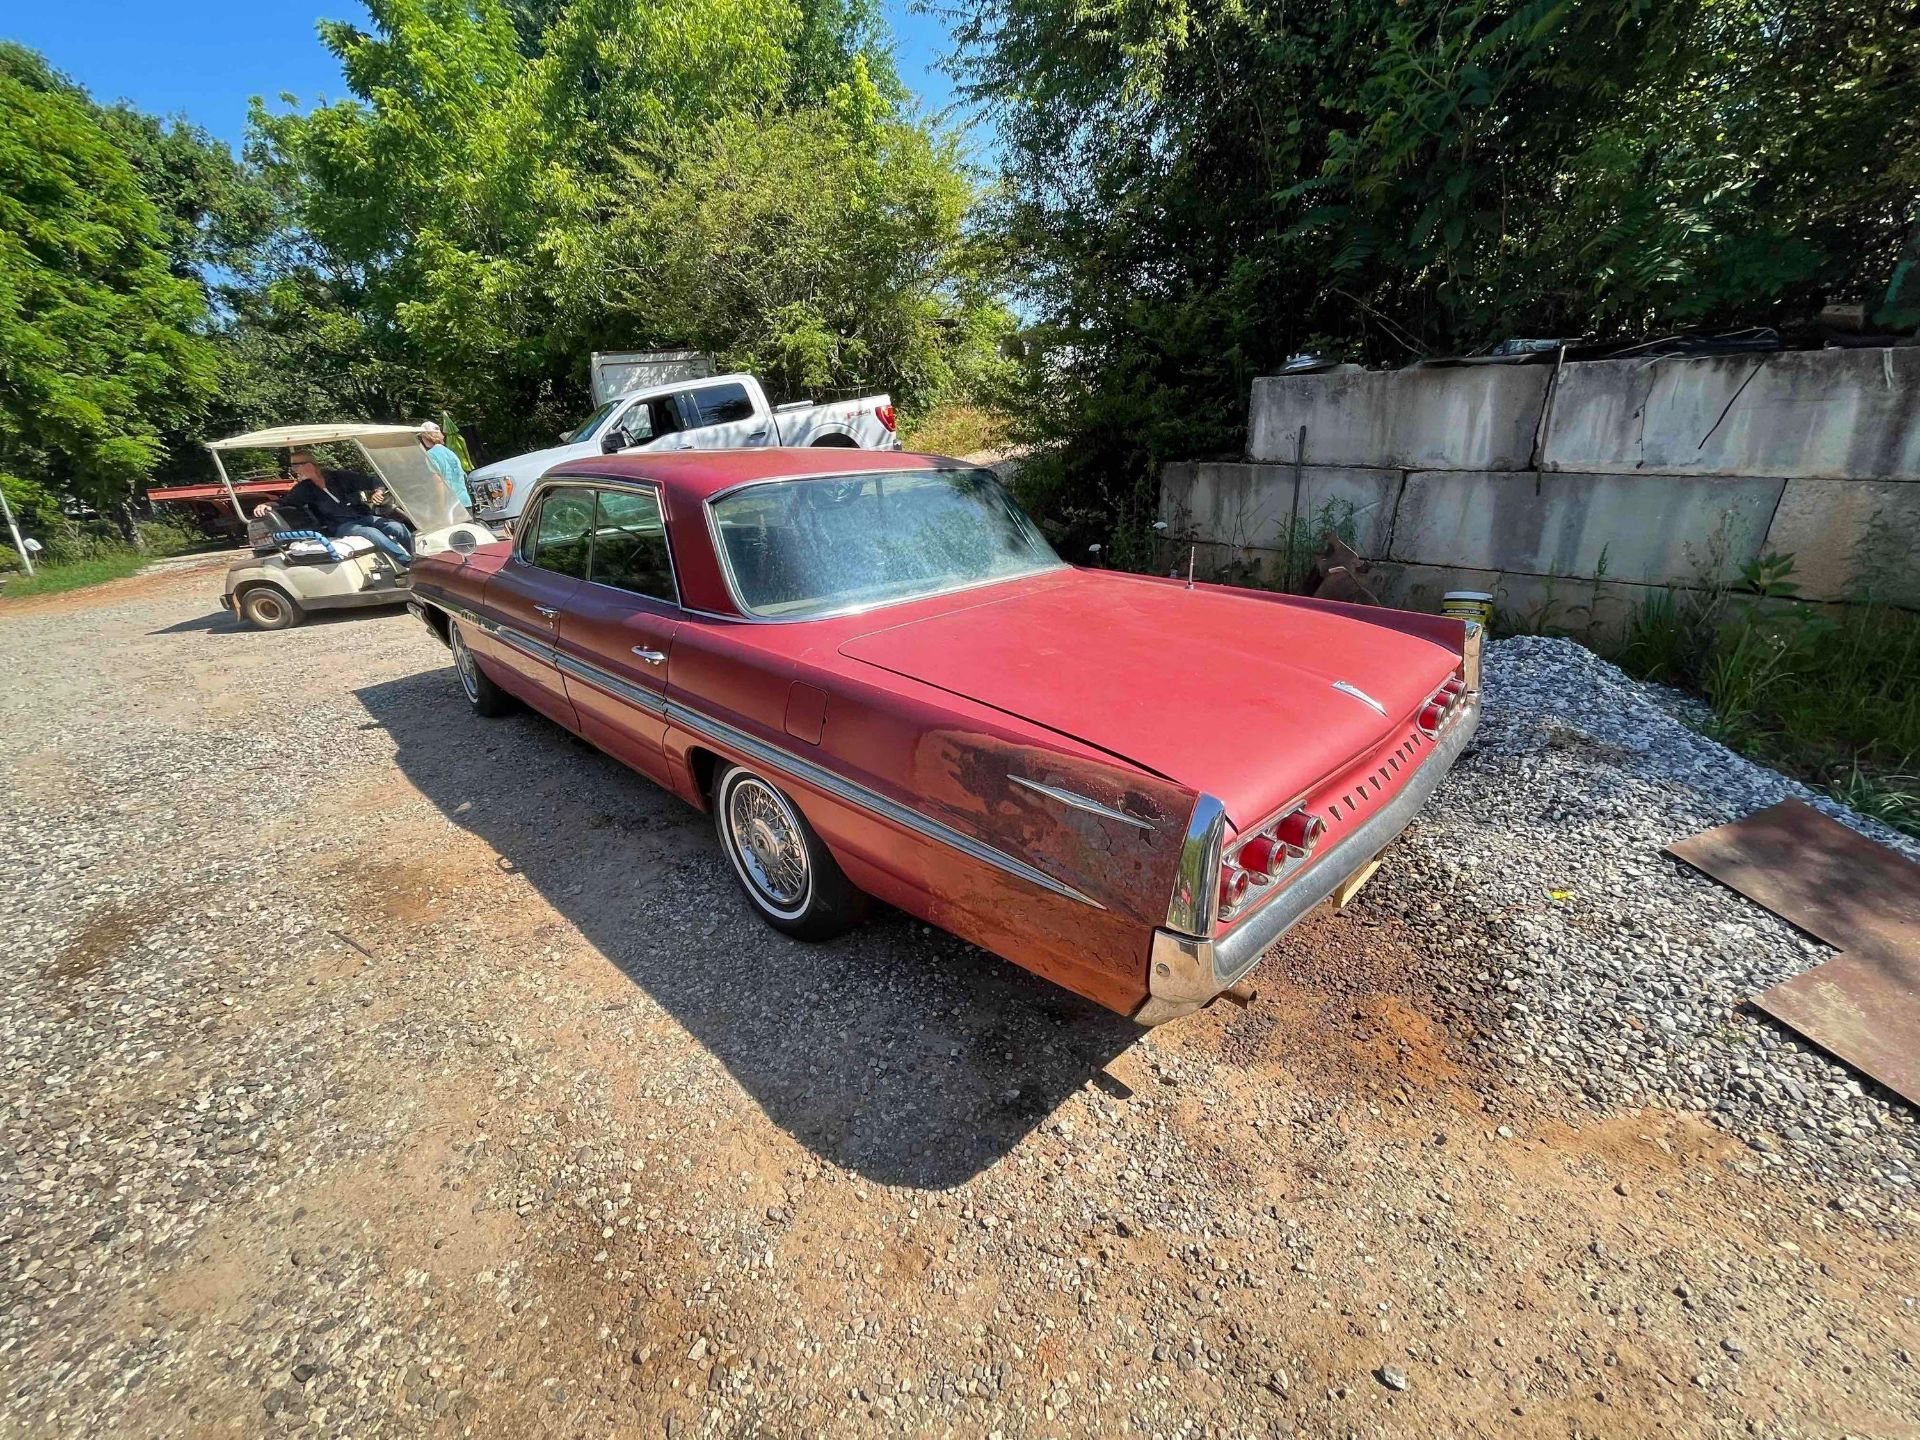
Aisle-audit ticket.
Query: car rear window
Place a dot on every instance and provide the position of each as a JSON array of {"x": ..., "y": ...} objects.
[{"x": 798, "y": 548}]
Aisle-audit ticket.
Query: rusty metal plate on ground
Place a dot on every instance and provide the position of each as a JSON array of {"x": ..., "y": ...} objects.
[
  {"x": 1862, "y": 1006},
  {"x": 1816, "y": 874}
]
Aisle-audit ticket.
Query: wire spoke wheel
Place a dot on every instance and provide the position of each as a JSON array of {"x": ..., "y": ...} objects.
[
  {"x": 467, "y": 666},
  {"x": 768, "y": 845},
  {"x": 792, "y": 879}
]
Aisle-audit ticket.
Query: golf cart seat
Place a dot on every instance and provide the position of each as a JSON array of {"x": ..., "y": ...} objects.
[
  {"x": 291, "y": 532},
  {"x": 310, "y": 547}
]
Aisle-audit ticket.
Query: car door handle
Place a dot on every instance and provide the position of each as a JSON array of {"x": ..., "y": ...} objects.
[
  {"x": 759, "y": 434},
  {"x": 652, "y": 657},
  {"x": 547, "y": 610}
]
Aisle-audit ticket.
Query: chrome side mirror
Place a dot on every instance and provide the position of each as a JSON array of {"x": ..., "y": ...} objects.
[{"x": 463, "y": 541}]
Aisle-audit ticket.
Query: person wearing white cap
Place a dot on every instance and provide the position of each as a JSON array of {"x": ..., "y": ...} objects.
[{"x": 440, "y": 455}]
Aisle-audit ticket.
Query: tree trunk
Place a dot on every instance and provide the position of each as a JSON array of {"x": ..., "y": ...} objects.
[{"x": 130, "y": 532}]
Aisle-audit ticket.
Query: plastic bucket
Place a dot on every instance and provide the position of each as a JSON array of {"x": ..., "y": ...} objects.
[{"x": 1468, "y": 605}]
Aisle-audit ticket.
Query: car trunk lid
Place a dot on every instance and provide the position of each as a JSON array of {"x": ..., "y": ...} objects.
[{"x": 1245, "y": 698}]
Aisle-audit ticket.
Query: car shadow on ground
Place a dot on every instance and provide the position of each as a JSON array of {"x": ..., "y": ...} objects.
[
  {"x": 219, "y": 622},
  {"x": 224, "y": 622},
  {"x": 897, "y": 1051}
]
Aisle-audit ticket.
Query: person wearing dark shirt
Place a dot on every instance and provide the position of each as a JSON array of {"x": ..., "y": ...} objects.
[{"x": 337, "y": 502}]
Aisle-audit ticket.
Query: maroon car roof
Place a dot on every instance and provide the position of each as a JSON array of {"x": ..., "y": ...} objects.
[{"x": 693, "y": 475}]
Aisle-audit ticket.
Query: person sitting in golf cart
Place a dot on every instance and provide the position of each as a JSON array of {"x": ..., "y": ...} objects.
[{"x": 339, "y": 502}]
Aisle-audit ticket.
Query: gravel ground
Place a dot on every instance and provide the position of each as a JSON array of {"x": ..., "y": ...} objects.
[{"x": 374, "y": 1069}]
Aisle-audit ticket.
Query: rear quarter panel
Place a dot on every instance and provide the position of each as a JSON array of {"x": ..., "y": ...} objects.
[{"x": 953, "y": 763}]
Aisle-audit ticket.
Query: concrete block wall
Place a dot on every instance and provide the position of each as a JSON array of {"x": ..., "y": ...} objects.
[{"x": 1575, "y": 490}]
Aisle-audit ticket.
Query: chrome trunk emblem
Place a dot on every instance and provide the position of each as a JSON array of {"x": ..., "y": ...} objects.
[
  {"x": 1357, "y": 693},
  {"x": 1077, "y": 801}
]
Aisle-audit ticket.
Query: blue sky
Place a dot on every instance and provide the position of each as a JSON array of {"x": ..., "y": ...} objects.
[{"x": 204, "y": 58}]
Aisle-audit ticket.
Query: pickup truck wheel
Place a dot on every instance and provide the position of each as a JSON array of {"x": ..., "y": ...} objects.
[
  {"x": 790, "y": 877},
  {"x": 486, "y": 697},
  {"x": 267, "y": 607}
]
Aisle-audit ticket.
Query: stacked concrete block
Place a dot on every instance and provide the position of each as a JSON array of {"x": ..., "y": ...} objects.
[{"x": 1575, "y": 489}]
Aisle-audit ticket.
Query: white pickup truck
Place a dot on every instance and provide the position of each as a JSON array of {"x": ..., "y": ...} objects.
[{"x": 725, "y": 412}]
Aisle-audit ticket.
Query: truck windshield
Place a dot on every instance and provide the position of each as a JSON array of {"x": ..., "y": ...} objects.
[
  {"x": 592, "y": 422},
  {"x": 800, "y": 548}
]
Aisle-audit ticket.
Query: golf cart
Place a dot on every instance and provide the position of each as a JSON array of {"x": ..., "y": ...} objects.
[{"x": 295, "y": 568}]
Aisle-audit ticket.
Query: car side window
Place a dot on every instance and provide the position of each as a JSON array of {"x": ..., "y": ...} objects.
[
  {"x": 630, "y": 545},
  {"x": 667, "y": 419},
  {"x": 724, "y": 404},
  {"x": 638, "y": 423},
  {"x": 563, "y": 533}
]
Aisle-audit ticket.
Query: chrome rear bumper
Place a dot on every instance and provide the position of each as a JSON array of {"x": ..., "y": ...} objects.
[{"x": 1184, "y": 973}]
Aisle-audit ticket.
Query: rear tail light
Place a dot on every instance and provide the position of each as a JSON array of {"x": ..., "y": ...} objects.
[
  {"x": 1441, "y": 703},
  {"x": 1300, "y": 832},
  {"x": 1263, "y": 858},
  {"x": 1260, "y": 856},
  {"x": 884, "y": 414}
]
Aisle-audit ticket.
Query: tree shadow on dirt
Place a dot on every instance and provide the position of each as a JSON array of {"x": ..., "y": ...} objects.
[{"x": 897, "y": 1051}]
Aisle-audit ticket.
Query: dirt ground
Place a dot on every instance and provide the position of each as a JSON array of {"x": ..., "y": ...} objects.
[{"x": 377, "y": 1069}]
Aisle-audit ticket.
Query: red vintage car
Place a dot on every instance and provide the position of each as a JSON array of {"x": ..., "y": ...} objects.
[{"x": 882, "y": 682}]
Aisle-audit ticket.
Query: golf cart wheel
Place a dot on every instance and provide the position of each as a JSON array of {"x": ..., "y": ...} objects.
[
  {"x": 486, "y": 697},
  {"x": 266, "y": 607},
  {"x": 791, "y": 878}
]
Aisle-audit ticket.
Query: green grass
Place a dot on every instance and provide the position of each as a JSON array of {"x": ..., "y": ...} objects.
[
  {"x": 957, "y": 428},
  {"x": 1830, "y": 697},
  {"x": 81, "y": 555},
  {"x": 51, "y": 579}
]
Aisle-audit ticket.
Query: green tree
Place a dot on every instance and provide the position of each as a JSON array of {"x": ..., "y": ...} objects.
[
  {"x": 1198, "y": 190},
  {"x": 498, "y": 197},
  {"x": 216, "y": 215},
  {"x": 824, "y": 248},
  {"x": 100, "y": 346}
]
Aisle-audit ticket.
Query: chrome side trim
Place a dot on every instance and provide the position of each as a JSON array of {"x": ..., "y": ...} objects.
[
  {"x": 1470, "y": 655},
  {"x": 1196, "y": 884},
  {"x": 787, "y": 763},
  {"x": 520, "y": 641},
  {"x": 1357, "y": 693},
  {"x": 1081, "y": 802},
  {"x": 844, "y": 789},
  {"x": 651, "y": 701}
]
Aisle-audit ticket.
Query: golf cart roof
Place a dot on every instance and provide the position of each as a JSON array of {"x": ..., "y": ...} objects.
[
  {"x": 393, "y": 451},
  {"x": 292, "y": 435}
]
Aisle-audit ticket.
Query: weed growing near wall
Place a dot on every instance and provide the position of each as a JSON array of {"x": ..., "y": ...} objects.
[{"x": 1829, "y": 695}]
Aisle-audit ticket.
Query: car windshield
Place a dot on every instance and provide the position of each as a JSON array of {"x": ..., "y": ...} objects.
[
  {"x": 592, "y": 422},
  {"x": 797, "y": 548}
]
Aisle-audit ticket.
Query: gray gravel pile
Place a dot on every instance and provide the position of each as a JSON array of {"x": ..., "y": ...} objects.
[{"x": 1622, "y": 971}]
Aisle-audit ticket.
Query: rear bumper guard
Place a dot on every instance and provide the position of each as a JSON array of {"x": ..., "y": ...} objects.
[{"x": 1185, "y": 973}]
